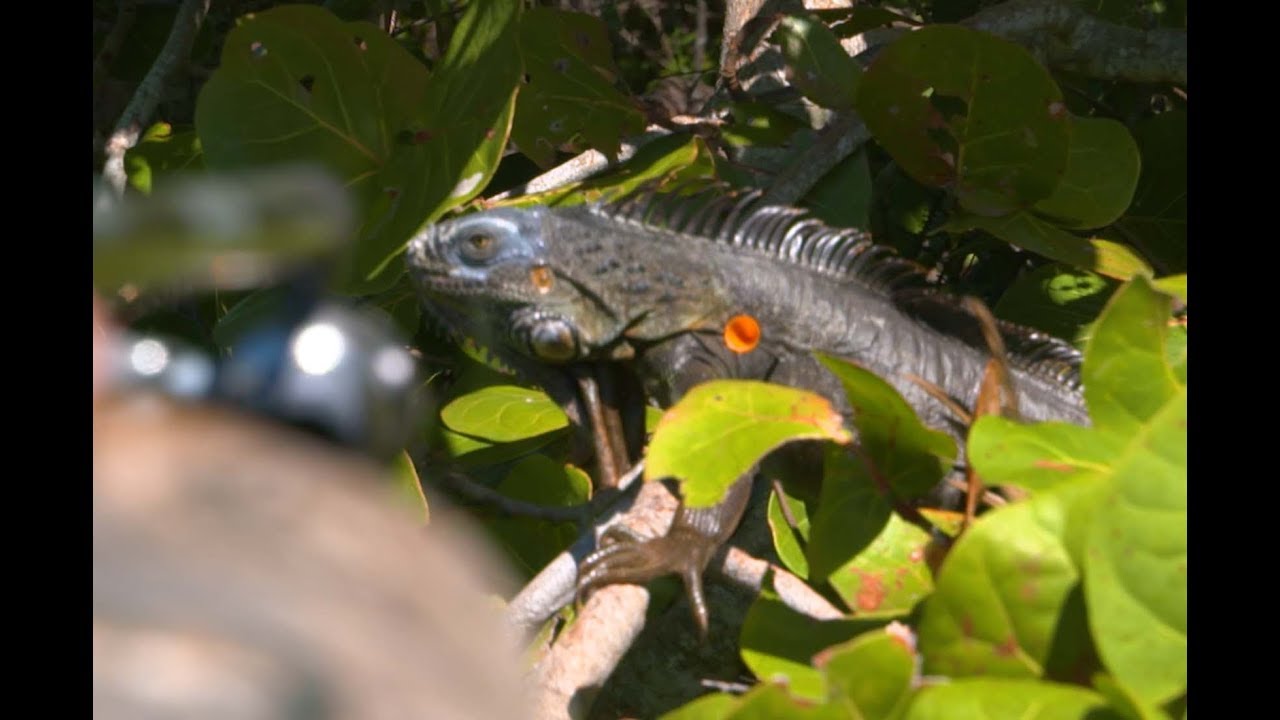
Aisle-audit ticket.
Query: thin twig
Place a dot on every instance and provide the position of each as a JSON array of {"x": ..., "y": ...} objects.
[
  {"x": 476, "y": 492},
  {"x": 174, "y": 54}
]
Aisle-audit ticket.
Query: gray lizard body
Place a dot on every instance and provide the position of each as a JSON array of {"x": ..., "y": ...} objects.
[{"x": 654, "y": 283}]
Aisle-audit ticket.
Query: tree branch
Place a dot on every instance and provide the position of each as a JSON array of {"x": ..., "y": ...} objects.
[
  {"x": 176, "y": 49},
  {"x": 1062, "y": 35}
]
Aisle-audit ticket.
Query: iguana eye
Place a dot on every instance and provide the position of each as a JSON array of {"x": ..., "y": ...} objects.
[
  {"x": 478, "y": 247},
  {"x": 553, "y": 341}
]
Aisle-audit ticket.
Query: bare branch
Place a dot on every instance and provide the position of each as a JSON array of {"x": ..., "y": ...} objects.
[
  {"x": 1062, "y": 35},
  {"x": 750, "y": 572},
  {"x": 581, "y": 167},
  {"x": 835, "y": 142},
  {"x": 176, "y": 49}
]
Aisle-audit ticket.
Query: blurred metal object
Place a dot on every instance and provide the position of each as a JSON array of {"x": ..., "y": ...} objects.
[
  {"x": 337, "y": 370},
  {"x": 231, "y": 231},
  {"x": 242, "y": 570}
]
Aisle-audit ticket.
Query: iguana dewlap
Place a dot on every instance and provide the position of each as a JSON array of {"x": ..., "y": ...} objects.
[{"x": 688, "y": 289}]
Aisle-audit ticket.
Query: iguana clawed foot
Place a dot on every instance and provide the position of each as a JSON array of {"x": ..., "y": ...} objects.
[
  {"x": 686, "y": 549},
  {"x": 624, "y": 557}
]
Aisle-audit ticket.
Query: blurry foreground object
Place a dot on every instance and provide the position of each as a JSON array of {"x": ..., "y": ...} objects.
[
  {"x": 232, "y": 232},
  {"x": 341, "y": 372},
  {"x": 243, "y": 570}
]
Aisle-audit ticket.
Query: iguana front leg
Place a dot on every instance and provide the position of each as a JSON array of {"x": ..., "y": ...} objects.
[{"x": 694, "y": 536}]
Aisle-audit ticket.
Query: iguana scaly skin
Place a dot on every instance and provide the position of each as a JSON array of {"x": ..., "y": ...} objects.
[{"x": 652, "y": 282}]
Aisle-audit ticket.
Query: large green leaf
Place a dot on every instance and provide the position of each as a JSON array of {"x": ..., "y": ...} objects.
[
  {"x": 298, "y": 85},
  {"x": 1136, "y": 573},
  {"x": 957, "y": 106},
  {"x": 503, "y": 413},
  {"x": 543, "y": 481},
  {"x": 1123, "y": 485},
  {"x": 721, "y": 429},
  {"x": 778, "y": 645},
  {"x": 870, "y": 676},
  {"x": 1000, "y": 595},
  {"x": 903, "y": 454},
  {"x": 569, "y": 91},
  {"x": 1007, "y": 699},
  {"x": 1126, "y": 375},
  {"x": 851, "y": 513},
  {"x": 890, "y": 576},
  {"x": 1102, "y": 172},
  {"x": 816, "y": 63}
]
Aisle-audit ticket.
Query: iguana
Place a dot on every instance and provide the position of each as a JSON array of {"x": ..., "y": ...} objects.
[{"x": 686, "y": 289}]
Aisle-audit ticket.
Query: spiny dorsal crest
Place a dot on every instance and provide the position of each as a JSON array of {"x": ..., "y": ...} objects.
[{"x": 792, "y": 235}]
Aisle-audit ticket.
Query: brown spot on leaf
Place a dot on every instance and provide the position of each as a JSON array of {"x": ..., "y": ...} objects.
[
  {"x": 421, "y": 136},
  {"x": 966, "y": 626},
  {"x": 1027, "y": 591},
  {"x": 1008, "y": 647},
  {"x": 1057, "y": 110},
  {"x": 870, "y": 592}
]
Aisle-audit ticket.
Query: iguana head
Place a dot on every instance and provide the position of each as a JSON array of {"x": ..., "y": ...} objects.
[{"x": 554, "y": 285}]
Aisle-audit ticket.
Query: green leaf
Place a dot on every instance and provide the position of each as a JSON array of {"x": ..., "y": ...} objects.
[
  {"x": 871, "y": 675},
  {"x": 953, "y": 105},
  {"x": 1123, "y": 490},
  {"x": 1102, "y": 171},
  {"x": 569, "y": 92},
  {"x": 904, "y": 455},
  {"x": 816, "y": 63},
  {"x": 890, "y": 576},
  {"x": 1006, "y": 699},
  {"x": 1038, "y": 456},
  {"x": 470, "y": 452},
  {"x": 756, "y": 124},
  {"x": 851, "y": 513},
  {"x": 1136, "y": 574},
  {"x": 503, "y": 413},
  {"x": 159, "y": 152},
  {"x": 778, "y": 645},
  {"x": 1000, "y": 594},
  {"x": 721, "y": 429},
  {"x": 1040, "y": 236},
  {"x": 298, "y": 85},
  {"x": 1057, "y": 299},
  {"x": 785, "y": 541},
  {"x": 1156, "y": 222},
  {"x": 1175, "y": 285},
  {"x": 715, "y": 706},
  {"x": 1126, "y": 377},
  {"x": 770, "y": 702},
  {"x": 1125, "y": 703},
  {"x": 842, "y": 198},
  {"x": 666, "y": 159},
  {"x": 541, "y": 480}
]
